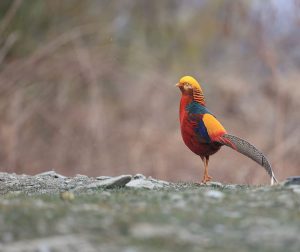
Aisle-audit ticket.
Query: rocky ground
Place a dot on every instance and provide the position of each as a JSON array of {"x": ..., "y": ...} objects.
[{"x": 50, "y": 212}]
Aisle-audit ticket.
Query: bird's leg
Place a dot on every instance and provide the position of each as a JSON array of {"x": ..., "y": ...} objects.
[{"x": 206, "y": 177}]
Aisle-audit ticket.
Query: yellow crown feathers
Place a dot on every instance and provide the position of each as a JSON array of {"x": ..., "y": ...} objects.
[
  {"x": 197, "y": 90},
  {"x": 191, "y": 80}
]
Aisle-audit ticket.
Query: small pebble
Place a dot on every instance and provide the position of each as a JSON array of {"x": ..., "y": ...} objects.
[
  {"x": 214, "y": 194},
  {"x": 67, "y": 196},
  {"x": 139, "y": 176}
]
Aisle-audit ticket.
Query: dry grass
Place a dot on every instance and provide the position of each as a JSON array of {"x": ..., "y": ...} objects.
[{"x": 95, "y": 94}]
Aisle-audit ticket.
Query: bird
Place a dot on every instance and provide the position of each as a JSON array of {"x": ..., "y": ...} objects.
[{"x": 204, "y": 135}]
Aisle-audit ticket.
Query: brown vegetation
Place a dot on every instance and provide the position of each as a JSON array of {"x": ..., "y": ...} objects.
[{"x": 88, "y": 86}]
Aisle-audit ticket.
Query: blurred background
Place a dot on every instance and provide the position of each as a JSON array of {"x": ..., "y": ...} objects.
[{"x": 88, "y": 86}]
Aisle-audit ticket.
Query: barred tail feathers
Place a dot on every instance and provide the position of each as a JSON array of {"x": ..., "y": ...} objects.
[{"x": 250, "y": 151}]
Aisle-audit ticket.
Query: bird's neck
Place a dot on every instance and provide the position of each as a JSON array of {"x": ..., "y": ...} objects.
[
  {"x": 198, "y": 96},
  {"x": 184, "y": 101},
  {"x": 187, "y": 99}
]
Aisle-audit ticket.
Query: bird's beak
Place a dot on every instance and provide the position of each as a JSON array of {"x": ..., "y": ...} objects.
[{"x": 177, "y": 84}]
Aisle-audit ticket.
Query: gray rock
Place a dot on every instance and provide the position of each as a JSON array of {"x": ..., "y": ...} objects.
[
  {"x": 103, "y": 177},
  {"x": 51, "y": 174},
  {"x": 144, "y": 183},
  {"x": 81, "y": 176},
  {"x": 113, "y": 182},
  {"x": 139, "y": 176},
  {"x": 292, "y": 181},
  {"x": 158, "y": 181}
]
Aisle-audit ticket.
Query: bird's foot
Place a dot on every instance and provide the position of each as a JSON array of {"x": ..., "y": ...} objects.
[{"x": 206, "y": 179}]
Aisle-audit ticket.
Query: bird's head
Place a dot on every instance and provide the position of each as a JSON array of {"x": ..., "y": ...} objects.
[{"x": 190, "y": 86}]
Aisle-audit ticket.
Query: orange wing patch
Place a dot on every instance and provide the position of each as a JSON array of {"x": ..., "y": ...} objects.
[{"x": 214, "y": 128}]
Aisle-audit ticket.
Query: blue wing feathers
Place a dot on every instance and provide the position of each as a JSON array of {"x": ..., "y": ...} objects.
[
  {"x": 202, "y": 132},
  {"x": 196, "y": 108},
  {"x": 196, "y": 112}
]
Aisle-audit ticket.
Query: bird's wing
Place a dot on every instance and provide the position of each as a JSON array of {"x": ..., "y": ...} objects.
[
  {"x": 214, "y": 128},
  {"x": 206, "y": 127}
]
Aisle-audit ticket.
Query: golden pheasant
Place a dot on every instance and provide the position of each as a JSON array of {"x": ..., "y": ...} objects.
[{"x": 204, "y": 135}]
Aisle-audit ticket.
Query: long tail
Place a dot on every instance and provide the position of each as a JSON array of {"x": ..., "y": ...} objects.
[{"x": 250, "y": 151}]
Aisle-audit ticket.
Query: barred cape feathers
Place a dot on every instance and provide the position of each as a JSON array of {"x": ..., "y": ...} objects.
[{"x": 198, "y": 96}]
